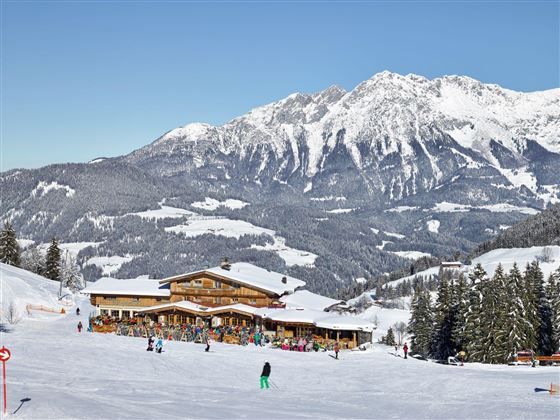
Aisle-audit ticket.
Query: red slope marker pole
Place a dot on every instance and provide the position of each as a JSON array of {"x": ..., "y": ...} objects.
[
  {"x": 4, "y": 357},
  {"x": 4, "y": 383}
]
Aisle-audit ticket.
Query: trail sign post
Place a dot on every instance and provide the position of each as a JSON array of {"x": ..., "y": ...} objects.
[{"x": 4, "y": 357}]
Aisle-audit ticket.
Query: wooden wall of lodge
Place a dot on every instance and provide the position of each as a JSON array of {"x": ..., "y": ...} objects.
[{"x": 203, "y": 289}]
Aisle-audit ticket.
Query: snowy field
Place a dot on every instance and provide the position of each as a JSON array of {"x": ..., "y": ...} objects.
[{"x": 71, "y": 375}]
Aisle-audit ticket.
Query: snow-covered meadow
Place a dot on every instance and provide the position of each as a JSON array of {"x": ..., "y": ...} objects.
[{"x": 69, "y": 375}]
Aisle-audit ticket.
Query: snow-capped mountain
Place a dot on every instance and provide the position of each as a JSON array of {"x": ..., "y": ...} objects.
[
  {"x": 395, "y": 135},
  {"x": 335, "y": 186}
]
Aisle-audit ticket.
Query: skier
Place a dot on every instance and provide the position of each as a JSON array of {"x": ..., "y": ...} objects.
[
  {"x": 336, "y": 349},
  {"x": 396, "y": 350},
  {"x": 207, "y": 345},
  {"x": 78, "y": 311},
  {"x": 80, "y": 326},
  {"x": 405, "y": 350},
  {"x": 264, "y": 375},
  {"x": 159, "y": 346},
  {"x": 150, "y": 344}
]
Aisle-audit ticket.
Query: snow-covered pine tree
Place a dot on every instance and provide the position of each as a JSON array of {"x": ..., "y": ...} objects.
[
  {"x": 516, "y": 326},
  {"x": 473, "y": 333},
  {"x": 52, "y": 269},
  {"x": 493, "y": 317},
  {"x": 543, "y": 327},
  {"x": 390, "y": 337},
  {"x": 461, "y": 306},
  {"x": 33, "y": 260},
  {"x": 553, "y": 297},
  {"x": 70, "y": 273},
  {"x": 442, "y": 344},
  {"x": 530, "y": 301},
  {"x": 421, "y": 323},
  {"x": 9, "y": 247}
]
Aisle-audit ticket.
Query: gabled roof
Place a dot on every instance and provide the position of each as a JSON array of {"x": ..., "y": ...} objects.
[
  {"x": 249, "y": 275},
  {"x": 183, "y": 305},
  {"x": 320, "y": 319},
  {"x": 127, "y": 287},
  {"x": 236, "y": 307},
  {"x": 309, "y": 300}
]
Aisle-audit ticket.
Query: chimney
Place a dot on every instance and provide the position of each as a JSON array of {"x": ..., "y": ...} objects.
[
  {"x": 225, "y": 264},
  {"x": 284, "y": 280}
]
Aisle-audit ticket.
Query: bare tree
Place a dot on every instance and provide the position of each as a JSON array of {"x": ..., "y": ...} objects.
[
  {"x": 400, "y": 328},
  {"x": 546, "y": 255},
  {"x": 11, "y": 314}
]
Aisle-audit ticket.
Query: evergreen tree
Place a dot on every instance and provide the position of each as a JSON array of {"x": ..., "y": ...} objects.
[
  {"x": 9, "y": 247},
  {"x": 442, "y": 344},
  {"x": 461, "y": 307},
  {"x": 530, "y": 297},
  {"x": 493, "y": 317},
  {"x": 553, "y": 297},
  {"x": 390, "y": 337},
  {"x": 70, "y": 273},
  {"x": 52, "y": 269},
  {"x": 514, "y": 330},
  {"x": 473, "y": 328},
  {"x": 542, "y": 328},
  {"x": 421, "y": 323},
  {"x": 32, "y": 260}
]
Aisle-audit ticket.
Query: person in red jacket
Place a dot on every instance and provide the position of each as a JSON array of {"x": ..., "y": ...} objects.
[{"x": 405, "y": 350}]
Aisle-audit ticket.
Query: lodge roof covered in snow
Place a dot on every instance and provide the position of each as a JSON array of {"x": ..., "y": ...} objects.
[
  {"x": 128, "y": 287},
  {"x": 249, "y": 275},
  {"x": 307, "y": 299}
]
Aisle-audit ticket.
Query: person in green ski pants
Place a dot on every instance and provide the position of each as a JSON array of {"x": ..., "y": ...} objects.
[{"x": 264, "y": 375}]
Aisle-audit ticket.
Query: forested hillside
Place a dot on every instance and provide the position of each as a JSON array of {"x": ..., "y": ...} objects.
[{"x": 540, "y": 230}]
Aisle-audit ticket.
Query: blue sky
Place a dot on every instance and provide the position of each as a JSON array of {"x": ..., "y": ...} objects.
[{"x": 88, "y": 79}]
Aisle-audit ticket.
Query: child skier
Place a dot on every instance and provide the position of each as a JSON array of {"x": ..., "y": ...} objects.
[
  {"x": 336, "y": 350},
  {"x": 207, "y": 345},
  {"x": 80, "y": 326},
  {"x": 405, "y": 350},
  {"x": 150, "y": 344},
  {"x": 264, "y": 375},
  {"x": 78, "y": 311},
  {"x": 159, "y": 346}
]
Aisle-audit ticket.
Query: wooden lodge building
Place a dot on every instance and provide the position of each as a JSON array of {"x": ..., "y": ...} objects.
[{"x": 238, "y": 294}]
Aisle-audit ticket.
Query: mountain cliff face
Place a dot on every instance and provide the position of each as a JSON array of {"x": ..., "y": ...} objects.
[
  {"x": 392, "y": 137},
  {"x": 334, "y": 186}
]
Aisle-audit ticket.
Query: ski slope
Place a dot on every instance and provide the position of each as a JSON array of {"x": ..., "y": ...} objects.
[
  {"x": 71, "y": 375},
  {"x": 23, "y": 288}
]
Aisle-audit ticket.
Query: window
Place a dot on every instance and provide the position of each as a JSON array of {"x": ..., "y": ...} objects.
[
  {"x": 217, "y": 284},
  {"x": 235, "y": 300},
  {"x": 218, "y": 300},
  {"x": 253, "y": 301},
  {"x": 235, "y": 286},
  {"x": 135, "y": 299},
  {"x": 111, "y": 298},
  {"x": 196, "y": 283}
]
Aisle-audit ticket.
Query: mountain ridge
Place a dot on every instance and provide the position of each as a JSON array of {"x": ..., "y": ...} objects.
[{"x": 336, "y": 185}]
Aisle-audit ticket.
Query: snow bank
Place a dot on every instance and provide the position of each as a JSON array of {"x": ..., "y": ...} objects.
[{"x": 23, "y": 288}]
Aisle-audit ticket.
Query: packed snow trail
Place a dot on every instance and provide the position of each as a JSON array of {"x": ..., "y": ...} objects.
[{"x": 71, "y": 375}]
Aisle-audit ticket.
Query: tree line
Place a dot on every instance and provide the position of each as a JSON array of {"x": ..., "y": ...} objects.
[
  {"x": 490, "y": 319},
  {"x": 51, "y": 264}
]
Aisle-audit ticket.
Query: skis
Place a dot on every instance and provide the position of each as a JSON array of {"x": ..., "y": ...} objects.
[{"x": 333, "y": 357}]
